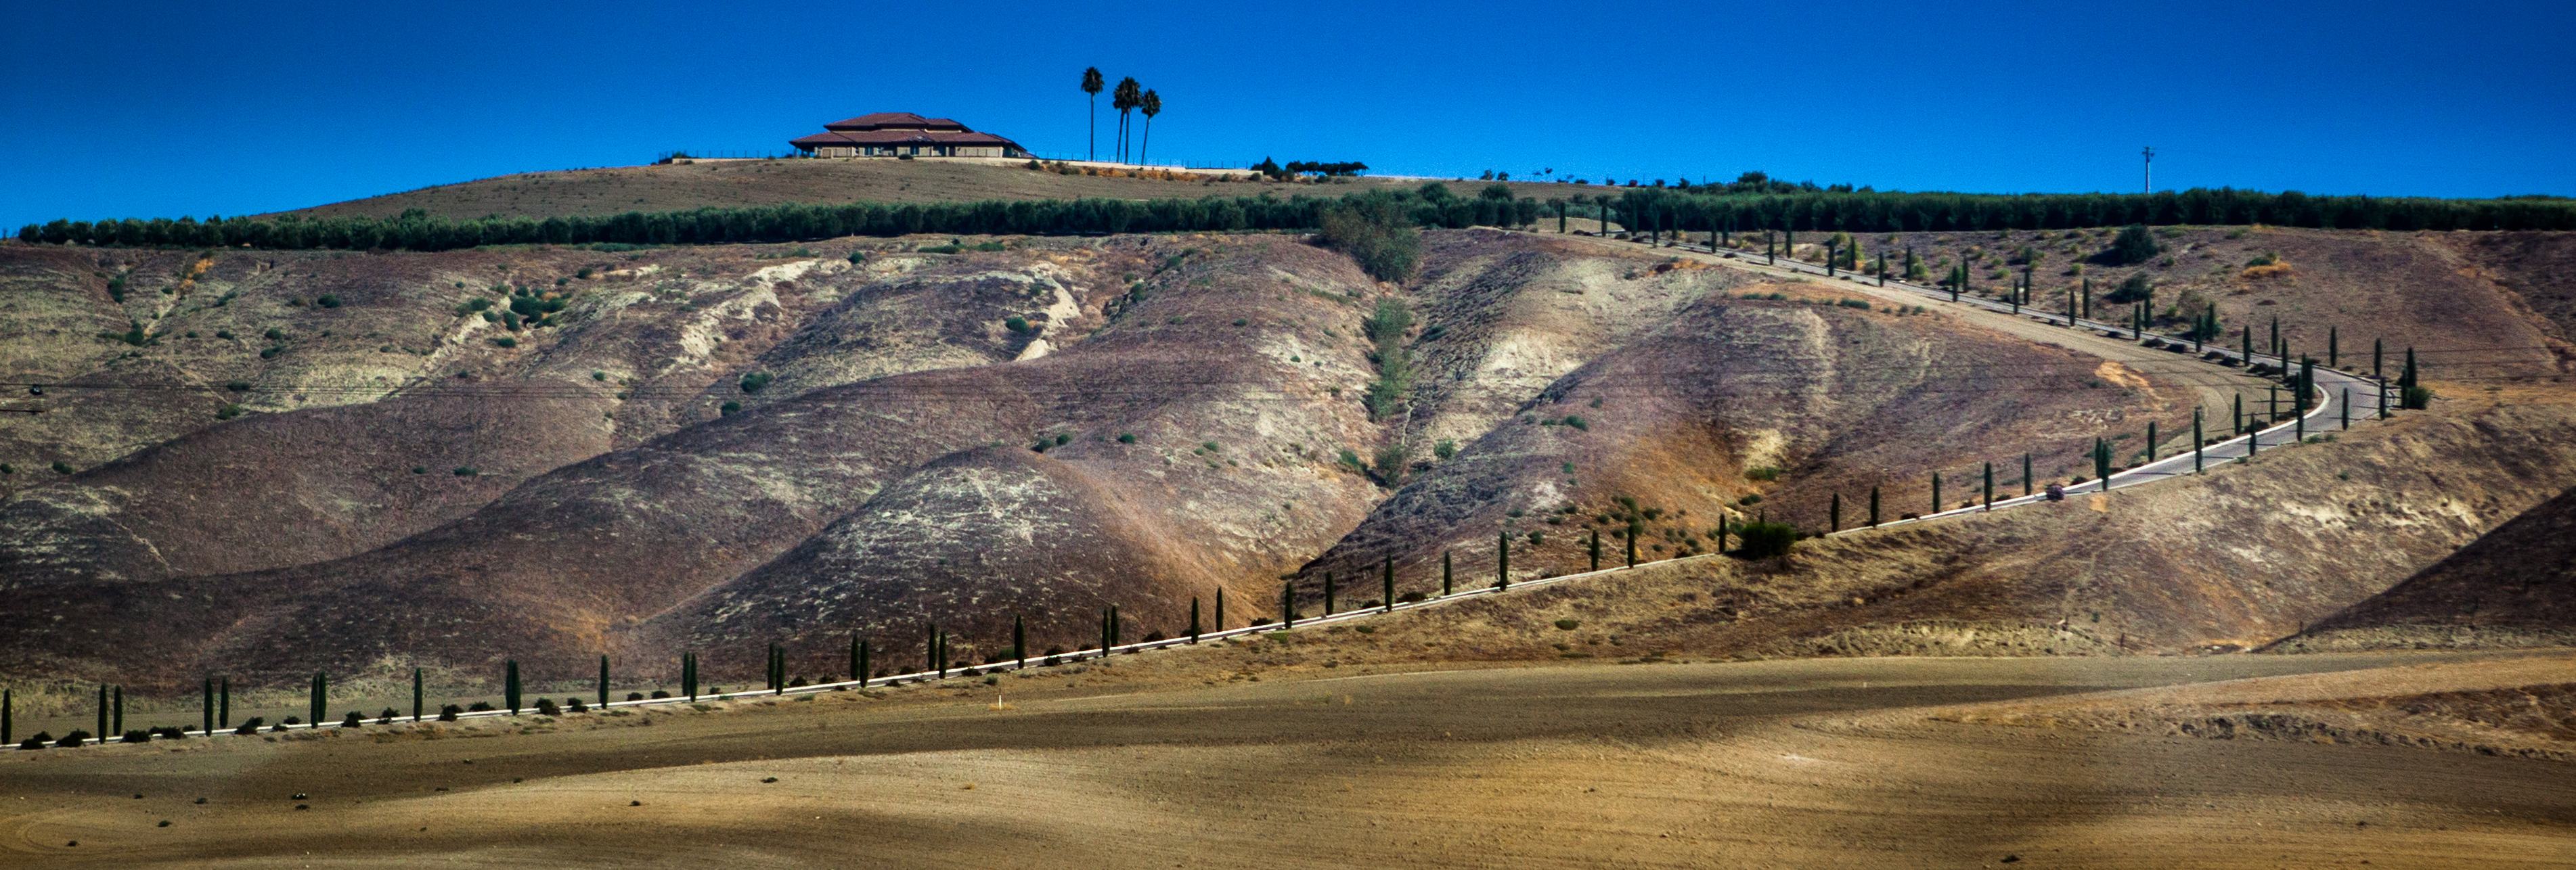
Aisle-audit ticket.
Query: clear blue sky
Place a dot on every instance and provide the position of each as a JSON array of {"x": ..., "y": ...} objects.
[{"x": 163, "y": 109}]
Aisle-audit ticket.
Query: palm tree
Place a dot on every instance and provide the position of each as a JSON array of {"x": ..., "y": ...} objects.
[
  {"x": 1091, "y": 84},
  {"x": 1151, "y": 104},
  {"x": 1124, "y": 100}
]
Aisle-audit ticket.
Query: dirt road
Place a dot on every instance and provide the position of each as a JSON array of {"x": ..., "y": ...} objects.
[{"x": 1789, "y": 763}]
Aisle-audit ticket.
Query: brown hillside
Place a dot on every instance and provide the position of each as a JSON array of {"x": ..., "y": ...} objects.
[
  {"x": 2516, "y": 586},
  {"x": 2477, "y": 305},
  {"x": 724, "y": 184},
  {"x": 884, "y": 476}
]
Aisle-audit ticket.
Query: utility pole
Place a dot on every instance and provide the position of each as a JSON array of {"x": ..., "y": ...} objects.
[{"x": 2148, "y": 170}]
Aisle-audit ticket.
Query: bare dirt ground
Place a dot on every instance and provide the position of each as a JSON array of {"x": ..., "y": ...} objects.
[{"x": 1806, "y": 763}]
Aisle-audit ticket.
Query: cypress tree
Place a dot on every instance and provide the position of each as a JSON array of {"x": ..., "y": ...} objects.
[
  {"x": 603, "y": 681},
  {"x": 118, "y": 726},
  {"x": 2334, "y": 345},
  {"x": 1593, "y": 548},
  {"x": 1634, "y": 528},
  {"x": 1873, "y": 505},
  {"x": 2378, "y": 347},
  {"x": 510, "y": 686},
  {"x": 1936, "y": 493},
  {"x": 1220, "y": 608},
  {"x": 855, "y": 673},
  {"x": 321, "y": 699},
  {"x": 416, "y": 696},
  {"x": 2276, "y": 343},
  {"x": 223, "y": 702},
  {"x": 2238, "y": 409},
  {"x": 1020, "y": 633},
  {"x": 2026, "y": 483},
  {"x": 1328, "y": 593},
  {"x": 1445, "y": 588},
  {"x": 2102, "y": 462},
  {"x": 1388, "y": 574},
  {"x": 1194, "y": 623},
  {"x": 2345, "y": 409},
  {"x": 8, "y": 711},
  {"x": 1833, "y": 252},
  {"x": 2248, "y": 351},
  {"x": 1288, "y": 604},
  {"x": 208, "y": 710},
  {"x": 1834, "y": 515},
  {"x": 1990, "y": 486},
  {"x": 1502, "y": 560},
  {"x": 102, "y": 713},
  {"x": 689, "y": 675},
  {"x": 2151, "y": 441},
  {"x": 866, "y": 669},
  {"x": 2196, "y": 440},
  {"x": 2383, "y": 403}
]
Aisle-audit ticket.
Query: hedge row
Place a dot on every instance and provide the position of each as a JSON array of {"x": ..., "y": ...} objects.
[{"x": 1431, "y": 205}]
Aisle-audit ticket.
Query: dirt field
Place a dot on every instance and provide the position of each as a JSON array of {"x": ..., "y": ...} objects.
[{"x": 1806, "y": 763}]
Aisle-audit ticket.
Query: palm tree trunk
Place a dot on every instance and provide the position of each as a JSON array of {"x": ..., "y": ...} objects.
[
  {"x": 1093, "y": 152},
  {"x": 1147, "y": 140}
]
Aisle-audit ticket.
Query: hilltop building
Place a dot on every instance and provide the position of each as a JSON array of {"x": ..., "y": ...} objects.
[{"x": 891, "y": 134}]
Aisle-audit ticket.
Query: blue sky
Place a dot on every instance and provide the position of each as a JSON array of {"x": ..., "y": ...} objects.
[{"x": 154, "y": 109}]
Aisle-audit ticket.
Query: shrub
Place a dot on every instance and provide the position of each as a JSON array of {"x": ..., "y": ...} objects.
[
  {"x": 38, "y": 741},
  {"x": 1577, "y": 422},
  {"x": 547, "y": 707},
  {"x": 249, "y": 727},
  {"x": 2133, "y": 245},
  {"x": 1765, "y": 540},
  {"x": 466, "y": 471},
  {"x": 274, "y": 334},
  {"x": 657, "y": 693},
  {"x": 61, "y": 467},
  {"x": 270, "y": 352},
  {"x": 992, "y": 246},
  {"x": 2138, "y": 288},
  {"x": 386, "y": 717},
  {"x": 1016, "y": 324},
  {"x": 729, "y": 409},
  {"x": 328, "y": 301},
  {"x": 1764, "y": 473},
  {"x": 1568, "y": 624},
  {"x": 73, "y": 739},
  {"x": 228, "y": 412},
  {"x": 355, "y": 719},
  {"x": 137, "y": 736},
  {"x": 2412, "y": 399},
  {"x": 636, "y": 696},
  {"x": 574, "y": 705},
  {"x": 1375, "y": 234},
  {"x": 755, "y": 381},
  {"x": 505, "y": 341},
  {"x": 480, "y": 707},
  {"x": 447, "y": 713},
  {"x": 1127, "y": 438},
  {"x": 1444, "y": 449}
]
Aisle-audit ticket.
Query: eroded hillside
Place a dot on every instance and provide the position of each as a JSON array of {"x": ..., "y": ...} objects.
[{"x": 716, "y": 448}]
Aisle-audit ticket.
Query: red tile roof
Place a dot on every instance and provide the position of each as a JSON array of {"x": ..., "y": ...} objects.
[{"x": 898, "y": 120}]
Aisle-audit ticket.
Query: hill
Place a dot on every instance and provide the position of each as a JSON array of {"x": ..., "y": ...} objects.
[
  {"x": 721, "y": 446},
  {"x": 728, "y": 183},
  {"x": 2515, "y": 586}
]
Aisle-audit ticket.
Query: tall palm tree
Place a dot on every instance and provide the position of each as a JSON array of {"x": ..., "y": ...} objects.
[
  {"x": 1124, "y": 100},
  {"x": 1091, "y": 84},
  {"x": 1151, "y": 104}
]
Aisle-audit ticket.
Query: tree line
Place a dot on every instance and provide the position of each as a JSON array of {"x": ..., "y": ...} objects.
[{"x": 1430, "y": 205}]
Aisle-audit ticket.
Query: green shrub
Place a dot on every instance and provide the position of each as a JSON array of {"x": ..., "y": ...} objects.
[
  {"x": 940, "y": 249},
  {"x": 328, "y": 301},
  {"x": 1764, "y": 473},
  {"x": 1765, "y": 540},
  {"x": 420, "y": 469},
  {"x": 729, "y": 409},
  {"x": 1444, "y": 449},
  {"x": 228, "y": 412},
  {"x": 1375, "y": 234},
  {"x": 505, "y": 341},
  {"x": 2133, "y": 245},
  {"x": 753, "y": 382},
  {"x": 599, "y": 376},
  {"x": 1568, "y": 624},
  {"x": 466, "y": 471},
  {"x": 61, "y": 467},
  {"x": 1016, "y": 323},
  {"x": 1127, "y": 438},
  {"x": 991, "y": 246},
  {"x": 274, "y": 334}
]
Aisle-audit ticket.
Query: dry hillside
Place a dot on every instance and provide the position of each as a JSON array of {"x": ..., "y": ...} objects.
[
  {"x": 718, "y": 447},
  {"x": 720, "y": 184}
]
